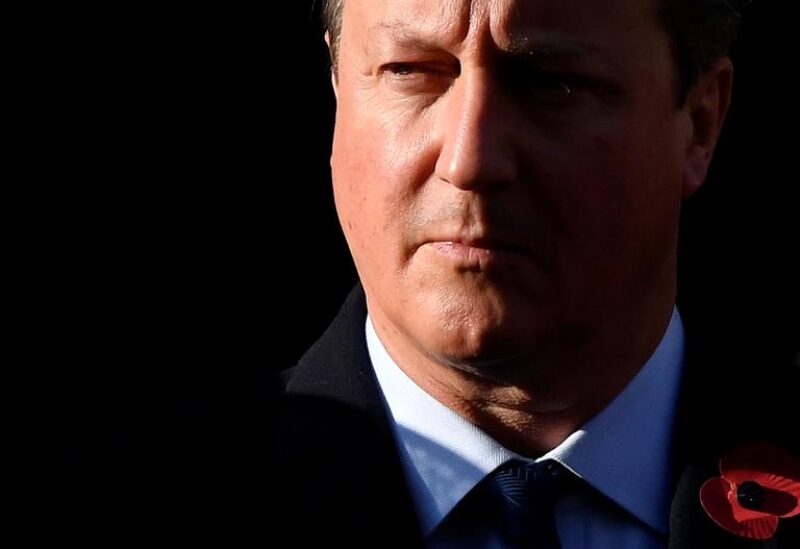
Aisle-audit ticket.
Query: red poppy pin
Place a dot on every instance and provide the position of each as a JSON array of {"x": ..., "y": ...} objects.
[{"x": 759, "y": 484}]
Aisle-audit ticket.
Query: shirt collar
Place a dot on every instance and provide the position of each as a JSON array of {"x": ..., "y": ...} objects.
[{"x": 445, "y": 456}]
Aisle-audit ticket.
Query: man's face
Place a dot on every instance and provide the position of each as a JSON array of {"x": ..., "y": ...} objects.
[{"x": 506, "y": 172}]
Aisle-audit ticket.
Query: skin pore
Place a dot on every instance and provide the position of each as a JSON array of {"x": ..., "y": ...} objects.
[{"x": 508, "y": 175}]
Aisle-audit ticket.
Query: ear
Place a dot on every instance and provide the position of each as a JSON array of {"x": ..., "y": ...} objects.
[
  {"x": 334, "y": 83},
  {"x": 707, "y": 104}
]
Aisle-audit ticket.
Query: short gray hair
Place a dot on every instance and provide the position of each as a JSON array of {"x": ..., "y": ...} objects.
[{"x": 332, "y": 21}]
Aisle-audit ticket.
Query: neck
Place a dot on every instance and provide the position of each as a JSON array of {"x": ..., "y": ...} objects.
[{"x": 542, "y": 397}]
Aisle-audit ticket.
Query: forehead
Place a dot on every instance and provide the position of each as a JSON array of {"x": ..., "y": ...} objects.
[{"x": 452, "y": 23}]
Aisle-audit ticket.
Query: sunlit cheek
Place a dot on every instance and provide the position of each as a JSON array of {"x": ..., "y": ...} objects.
[
  {"x": 374, "y": 188},
  {"x": 405, "y": 131},
  {"x": 402, "y": 167}
]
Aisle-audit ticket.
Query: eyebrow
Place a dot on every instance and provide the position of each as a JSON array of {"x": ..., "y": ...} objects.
[
  {"x": 550, "y": 47},
  {"x": 404, "y": 35},
  {"x": 533, "y": 47}
]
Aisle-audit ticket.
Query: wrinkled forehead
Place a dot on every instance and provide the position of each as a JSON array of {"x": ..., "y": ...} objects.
[{"x": 505, "y": 21}]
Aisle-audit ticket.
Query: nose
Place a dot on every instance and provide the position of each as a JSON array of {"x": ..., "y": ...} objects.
[{"x": 475, "y": 134}]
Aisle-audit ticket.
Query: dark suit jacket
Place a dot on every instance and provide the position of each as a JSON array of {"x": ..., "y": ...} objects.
[
  {"x": 308, "y": 458},
  {"x": 341, "y": 474}
]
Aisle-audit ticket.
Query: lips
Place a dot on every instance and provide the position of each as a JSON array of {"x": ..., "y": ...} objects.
[
  {"x": 489, "y": 244},
  {"x": 477, "y": 253},
  {"x": 493, "y": 244}
]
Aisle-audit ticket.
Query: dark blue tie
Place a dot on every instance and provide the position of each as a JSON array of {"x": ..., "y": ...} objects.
[{"x": 516, "y": 503}]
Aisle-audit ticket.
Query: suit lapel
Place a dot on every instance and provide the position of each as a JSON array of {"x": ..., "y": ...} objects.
[
  {"x": 734, "y": 391},
  {"x": 336, "y": 458}
]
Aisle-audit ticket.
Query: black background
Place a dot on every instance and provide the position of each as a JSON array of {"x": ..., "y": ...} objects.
[{"x": 190, "y": 243}]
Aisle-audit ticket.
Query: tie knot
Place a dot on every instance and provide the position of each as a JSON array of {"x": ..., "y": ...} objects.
[
  {"x": 527, "y": 494},
  {"x": 514, "y": 505},
  {"x": 532, "y": 486}
]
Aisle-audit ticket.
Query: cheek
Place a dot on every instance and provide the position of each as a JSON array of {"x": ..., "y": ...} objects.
[
  {"x": 631, "y": 204},
  {"x": 615, "y": 197},
  {"x": 647, "y": 195},
  {"x": 374, "y": 166},
  {"x": 635, "y": 172},
  {"x": 357, "y": 202}
]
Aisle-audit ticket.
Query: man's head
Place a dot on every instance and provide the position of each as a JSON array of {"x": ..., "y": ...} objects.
[{"x": 509, "y": 173}]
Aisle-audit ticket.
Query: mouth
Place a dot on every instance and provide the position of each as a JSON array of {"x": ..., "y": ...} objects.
[{"x": 477, "y": 253}]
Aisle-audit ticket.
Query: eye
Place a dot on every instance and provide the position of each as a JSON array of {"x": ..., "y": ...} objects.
[
  {"x": 543, "y": 86},
  {"x": 417, "y": 78},
  {"x": 556, "y": 85},
  {"x": 400, "y": 69}
]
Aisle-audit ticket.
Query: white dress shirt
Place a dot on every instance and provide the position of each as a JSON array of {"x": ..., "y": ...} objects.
[{"x": 623, "y": 453}]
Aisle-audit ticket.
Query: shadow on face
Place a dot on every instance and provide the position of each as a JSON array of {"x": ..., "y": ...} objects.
[{"x": 510, "y": 172}]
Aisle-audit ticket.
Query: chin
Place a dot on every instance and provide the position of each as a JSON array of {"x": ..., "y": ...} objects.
[{"x": 478, "y": 331}]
